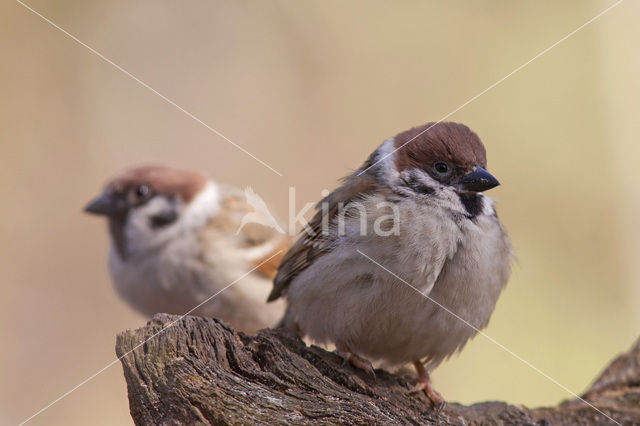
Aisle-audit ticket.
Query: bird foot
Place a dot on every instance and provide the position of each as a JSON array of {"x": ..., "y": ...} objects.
[
  {"x": 423, "y": 383},
  {"x": 356, "y": 361},
  {"x": 434, "y": 396}
]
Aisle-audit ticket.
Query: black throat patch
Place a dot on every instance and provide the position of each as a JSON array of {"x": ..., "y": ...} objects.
[
  {"x": 472, "y": 204},
  {"x": 116, "y": 228}
]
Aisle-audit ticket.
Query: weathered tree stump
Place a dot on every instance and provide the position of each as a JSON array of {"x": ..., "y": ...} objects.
[{"x": 199, "y": 371}]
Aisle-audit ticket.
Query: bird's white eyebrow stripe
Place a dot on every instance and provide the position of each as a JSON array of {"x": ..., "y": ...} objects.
[
  {"x": 491, "y": 339},
  {"x": 496, "y": 83},
  {"x": 145, "y": 85}
]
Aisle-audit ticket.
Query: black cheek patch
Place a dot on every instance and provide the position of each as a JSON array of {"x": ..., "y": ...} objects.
[
  {"x": 163, "y": 219},
  {"x": 472, "y": 204}
]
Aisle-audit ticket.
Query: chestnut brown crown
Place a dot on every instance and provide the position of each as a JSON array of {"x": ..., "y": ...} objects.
[
  {"x": 136, "y": 186},
  {"x": 449, "y": 152},
  {"x": 446, "y": 141},
  {"x": 161, "y": 179}
]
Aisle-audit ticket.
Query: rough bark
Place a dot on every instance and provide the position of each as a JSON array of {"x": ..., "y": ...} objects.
[{"x": 199, "y": 371}]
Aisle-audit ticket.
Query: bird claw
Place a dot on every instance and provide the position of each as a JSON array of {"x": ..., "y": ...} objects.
[
  {"x": 423, "y": 383},
  {"x": 434, "y": 396},
  {"x": 437, "y": 400},
  {"x": 357, "y": 362}
]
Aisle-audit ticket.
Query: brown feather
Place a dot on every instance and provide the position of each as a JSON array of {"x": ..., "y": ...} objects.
[
  {"x": 228, "y": 220},
  {"x": 269, "y": 269},
  {"x": 162, "y": 179},
  {"x": 315, "y": 243},
  {"x": 446, "y": 141},
  {"x": 234, "y": 208}
]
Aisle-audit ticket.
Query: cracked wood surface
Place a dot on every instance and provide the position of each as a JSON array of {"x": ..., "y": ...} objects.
[{"x": 200, "y": 371}]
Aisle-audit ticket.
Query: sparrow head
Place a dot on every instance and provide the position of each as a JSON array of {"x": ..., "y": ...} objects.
[
  {"x": 148, "y": 205},
  {"x": 443, "y": 155}
]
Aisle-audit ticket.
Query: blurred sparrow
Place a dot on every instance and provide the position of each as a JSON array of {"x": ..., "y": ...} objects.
[
  {"x": 176, "y": 240},
  {"x": 448, "y": 244}
]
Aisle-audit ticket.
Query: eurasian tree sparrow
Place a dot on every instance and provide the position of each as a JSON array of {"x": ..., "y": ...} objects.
[
  {"x": 176, "y": 240},
  {"x": 450, "y": 246}
]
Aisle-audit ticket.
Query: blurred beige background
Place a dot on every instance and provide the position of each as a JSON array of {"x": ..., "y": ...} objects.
[{"x": 311, "y": 88}]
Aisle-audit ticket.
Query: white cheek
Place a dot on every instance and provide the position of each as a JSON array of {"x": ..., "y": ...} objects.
[
  {"x": 156, "y": 206},
  {"x": 421, "y": 176},
  {"x": 203, "y": 207},
  {"x": 386, "y": 161},
  {"x": 140, "y": 235}
]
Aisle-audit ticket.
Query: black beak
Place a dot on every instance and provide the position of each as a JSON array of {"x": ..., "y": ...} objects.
[
  {"x": 478, "y": 180},
  {"x": 106, "y": 204}
]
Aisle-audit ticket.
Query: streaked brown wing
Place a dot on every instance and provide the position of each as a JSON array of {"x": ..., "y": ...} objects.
[
  {"x": 229, "y": 219},
  {"x": 270, "y": 262},
  {"x": 227, "y": 223},
  {"x": 314, "y": 244}
]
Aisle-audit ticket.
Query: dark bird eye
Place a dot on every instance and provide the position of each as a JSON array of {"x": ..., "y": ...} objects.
[
  {"x": 441, "y": 167},
  {"x": 139, "y": 195},
  {"x": 141, "y": 191}
]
